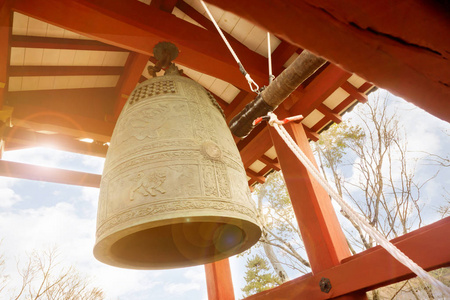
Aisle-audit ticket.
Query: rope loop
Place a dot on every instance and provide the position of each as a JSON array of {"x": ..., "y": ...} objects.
[{"x": 252, "y": 84}]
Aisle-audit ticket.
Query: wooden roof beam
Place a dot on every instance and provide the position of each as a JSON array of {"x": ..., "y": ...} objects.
[
  {"x": 322, "y": 86},
  {"x": 43, "y": 119},
  {"x": 5, "y": 29},
  {"x": 139, "y": 27},
  {"x": 22, "y": 41},
  {"x": 33, "y": 172},
  {"x": 63, "y": 70},
  {"x": 370, "y": 41},
  {"x": 88, "y": 102},
  {"x": 425, "y": 246},
  {"x": 134, "y": 67},
  {"x": 26, "y": 138},
  {"x": 349, "y": 88}
]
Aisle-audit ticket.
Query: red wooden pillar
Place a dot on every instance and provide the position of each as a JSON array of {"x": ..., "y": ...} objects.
[
  {"x": 323, "y": 238},
  {"x": 218, "y": 280}
]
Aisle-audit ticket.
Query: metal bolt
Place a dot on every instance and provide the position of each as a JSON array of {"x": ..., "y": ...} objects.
[{"x": 325, "y": 285}]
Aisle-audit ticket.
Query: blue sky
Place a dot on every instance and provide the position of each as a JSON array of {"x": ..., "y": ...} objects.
[{"x": 38, "y": 215}]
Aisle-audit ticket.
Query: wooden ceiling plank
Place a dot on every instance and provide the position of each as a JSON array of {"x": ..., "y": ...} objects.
[
  {"x": 5, "y": 29},
  {"x": 425, "y": 246},
  {"x": 20, "y": 136},
  {"x": 139, "y": 27},
  {"x": 63, "y": 70},
  {"x": 60, "y": 43},
  {"x": 325, "y": 83},
  {"x": 33, "y": 172},
  {"x": 370, "y": 41}
]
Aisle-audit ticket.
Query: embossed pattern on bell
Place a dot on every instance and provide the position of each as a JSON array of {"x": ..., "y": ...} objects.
[{"x": 174, "y": 191}]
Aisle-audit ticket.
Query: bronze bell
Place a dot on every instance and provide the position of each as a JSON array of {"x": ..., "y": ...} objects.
[{"x": 174, "y": 191}]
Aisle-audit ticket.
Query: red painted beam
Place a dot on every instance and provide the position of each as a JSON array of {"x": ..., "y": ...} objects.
[
  {"x": 329, "y": 114},
  {"x": 5, "y": 28},
  {"x": 139, "y": 27},
  {"x": 17, "y": 136},
  {"x": 322, "y": 235},
  {"x": 369, "y": 40},
  {"x": 43, "y": 119},
  {"x": 63, "y": 70},
  {"x": 218, "y": 280},
  {"x": 372, "y": 268},
  {"x": 323, "y": 85},
  {"x": 33, "y": 172},
  {"x": 59, "y": 43},
  {"x": 349, "y": 88},
  {"x": 134, "y": 67},
  {"x": 89, "y": 102}
]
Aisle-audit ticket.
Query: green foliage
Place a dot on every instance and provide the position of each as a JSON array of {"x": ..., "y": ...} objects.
[{"x": 258, "y": 276}]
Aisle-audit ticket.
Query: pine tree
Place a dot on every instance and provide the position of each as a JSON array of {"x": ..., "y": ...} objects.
[{"x": 258, "y": 276}]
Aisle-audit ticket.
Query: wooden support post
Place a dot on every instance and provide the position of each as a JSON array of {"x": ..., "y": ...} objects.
[
  {"x": 218, "y": 280},
  {"x": 323, "y": 238}
]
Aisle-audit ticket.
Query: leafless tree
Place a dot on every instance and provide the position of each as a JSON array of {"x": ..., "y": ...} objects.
[
  {"x": 43, "y": 277},
  {"x": 384, "y": 188}
]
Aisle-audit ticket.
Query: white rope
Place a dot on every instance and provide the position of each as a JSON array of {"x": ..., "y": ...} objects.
[
  {"x": 269, "y": 58},
  {"x": 253, "y": 86},
  {"x": 377, "y": 236}
]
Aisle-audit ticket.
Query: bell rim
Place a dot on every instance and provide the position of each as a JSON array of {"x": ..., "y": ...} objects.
[{"x": 103, "y": 245}]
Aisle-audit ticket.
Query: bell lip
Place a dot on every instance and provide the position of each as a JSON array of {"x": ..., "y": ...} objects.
[{"x": 102, "y": 247}]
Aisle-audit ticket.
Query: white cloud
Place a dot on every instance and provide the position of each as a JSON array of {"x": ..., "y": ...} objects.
[
  {"x": 8, "y": 197},
  {"x": 180, "y": 288}
]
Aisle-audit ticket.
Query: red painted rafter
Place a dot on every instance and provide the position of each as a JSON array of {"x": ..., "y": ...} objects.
[
  {"x": 134, "y": 66},
  {"x": 17, "y": 136},
  {"x": 5, "y": 28},
  {"x": 62, "y": 70},
  {"x": 353, "y": 91},
  {"x": 323, "y": 85},
  {"x": 86, "y": 102},
  {"x": 280, "y": 55},
  {"x": 33, "y": 172},
  {"x": 369, "y": 40},
  {"x": 138, "y": 27},
  {"x": 60, "y": 43},
  {"x": 40, "y": 118},
  {"x": 425, "y": 246},
  {"x": 168, "y": 5}
]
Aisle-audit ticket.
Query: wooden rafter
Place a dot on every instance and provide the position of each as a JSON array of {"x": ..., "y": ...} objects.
[
  {"x": 87, "y": 102},
  {"x": 134, "y": 66},
  {"x": 44, "y": 119},
  {"x": 138, "y": 27},
  {"x": 60, "y": 43},
  {"x": 5, "y": 28},
  {"x": 33, "y": 172},
  {"x": 425, "y": 246},
  {"x": 319, "y": 89},
  {"x": 17, "y": 136}
]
